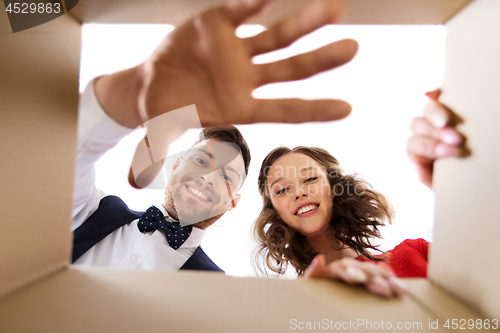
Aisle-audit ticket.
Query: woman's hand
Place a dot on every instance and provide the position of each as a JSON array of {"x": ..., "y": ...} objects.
[
  {"x": 379, "y": 279},
  {"x": 434, "y": 136}
]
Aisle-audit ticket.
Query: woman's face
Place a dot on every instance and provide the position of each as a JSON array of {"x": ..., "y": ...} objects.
[{"x": 301, "y": 194}]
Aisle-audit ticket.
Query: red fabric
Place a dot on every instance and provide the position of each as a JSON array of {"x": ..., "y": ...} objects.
[{"x": 408, "y": 259}]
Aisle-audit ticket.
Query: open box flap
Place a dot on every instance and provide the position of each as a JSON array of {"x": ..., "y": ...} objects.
[
  {"x": 102, "y": 300},
  {"x": 39, "y": 95},
  {"x": 464, "y": 258},
  {"x": 356, "y": 11}
]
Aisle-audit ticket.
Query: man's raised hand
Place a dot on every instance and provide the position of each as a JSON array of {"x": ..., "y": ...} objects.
[{"x": 202, "y": 62}]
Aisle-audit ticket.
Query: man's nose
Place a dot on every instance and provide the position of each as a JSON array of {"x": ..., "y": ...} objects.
[{"x": 208, "y": 179}]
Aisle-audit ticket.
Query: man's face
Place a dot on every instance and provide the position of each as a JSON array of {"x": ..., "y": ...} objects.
[{"x": 204, "y": 183}]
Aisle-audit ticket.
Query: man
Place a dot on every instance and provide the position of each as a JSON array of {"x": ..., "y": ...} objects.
[
  {"x": 203, "y": 185},
  {"x": 202, "y": 62}
]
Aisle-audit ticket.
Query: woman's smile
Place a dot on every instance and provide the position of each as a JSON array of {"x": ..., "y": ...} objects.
[
  {"x": 300, "y": 193},
  {"x": 306, "y": 209}
]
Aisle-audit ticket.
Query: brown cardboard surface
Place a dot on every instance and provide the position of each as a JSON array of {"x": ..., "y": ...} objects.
[
  {"x": 38, "y": 90},
  {"x": 464, "y": 257},
  {"x": 39, "y": 94},
  {"x": 439, "y": 302},
  {"x": 101, "y": 300},
  {"x": 357, "y": 11}
]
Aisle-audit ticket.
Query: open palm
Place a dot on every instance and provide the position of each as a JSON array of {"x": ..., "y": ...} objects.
[{"x": 202, "y": 62}]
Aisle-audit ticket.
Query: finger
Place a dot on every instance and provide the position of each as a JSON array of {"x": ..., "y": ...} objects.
[
  {"x": 307, "y": 19},
  {"x": 434, "y": 95},
  {"x": 425, "y": 172},
  {"x": 308, "y": 64},
  {"x": 450, "y": 136},
  {"x": 422, "y": 127},
  {"x": 356, "y": 275},
  {"x": 240, "y": 10},
  {"x": 426, "y": 149},
  {"x": 316, "y": 268},
  {"x": 379, "y": 286},
  {"x": 372, "y": 269},
  {"x": 436, "y": 114},
  {"x": 397, "y": 285},
  {"x": 297, "y": 111},
  {"x": 353, "y": 271},
  {"x": 345, "y": 271}
]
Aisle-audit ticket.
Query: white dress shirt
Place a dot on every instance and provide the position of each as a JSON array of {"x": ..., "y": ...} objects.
[{"x": 126, "y": 247}]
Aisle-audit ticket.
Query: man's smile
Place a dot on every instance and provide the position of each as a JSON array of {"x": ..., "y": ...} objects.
[{"x": 197, "y": 193}]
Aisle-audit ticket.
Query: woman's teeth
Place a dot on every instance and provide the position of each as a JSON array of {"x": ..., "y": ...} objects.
[{"x": 306, "y": 209}]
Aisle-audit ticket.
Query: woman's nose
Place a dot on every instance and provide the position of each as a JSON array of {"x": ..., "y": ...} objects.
[{"x": 300, "y": 193}]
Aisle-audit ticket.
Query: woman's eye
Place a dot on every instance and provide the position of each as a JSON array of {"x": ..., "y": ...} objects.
[
  {"x": 283, "y": 190},
  {"x": 200, "y": 161},
  {"x": 308, "y": 180}
]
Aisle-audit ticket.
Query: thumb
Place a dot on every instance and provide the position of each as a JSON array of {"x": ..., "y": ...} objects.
[
  {"x": 239, "y": 11},
  {"x": 316, "y": 268}
]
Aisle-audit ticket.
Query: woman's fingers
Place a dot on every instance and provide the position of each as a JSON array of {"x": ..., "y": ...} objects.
[
  {"x": 317, "y": 267},
  {"x": 379, "y": 279},
  {"x": 421, "y": 127},
  {"x": 432, "y": 138},
  {"x": 435, "y": 136},
  {"x": 382, "y": 281},
  {"x": 379, "y": 286},
  {"x": 426, "y": 149},
  {"x": 437, "y": 114},
  {"x": 450, "y": 136},
  {"x": 397, "y": 285},
  {"x": 386, "y": 287},
  {"x": 434, "y": 95},
  {"x": 425, "y": 170},
  {"x": 307, "y": 19},
  {"x": 305, "y": 65}
]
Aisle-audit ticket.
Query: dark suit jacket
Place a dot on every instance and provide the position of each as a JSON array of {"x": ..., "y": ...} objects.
[{"x": 112, "y": 214}]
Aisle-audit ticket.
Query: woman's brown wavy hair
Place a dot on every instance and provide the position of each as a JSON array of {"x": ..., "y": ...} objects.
[{"x": 356, "y": 217}]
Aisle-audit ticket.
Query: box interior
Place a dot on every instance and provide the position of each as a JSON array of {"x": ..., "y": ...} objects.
[{"x": 39, "y": 94}]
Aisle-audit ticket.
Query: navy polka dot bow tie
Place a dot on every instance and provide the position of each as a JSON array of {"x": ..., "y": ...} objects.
[{"x": 153, "y": 219}]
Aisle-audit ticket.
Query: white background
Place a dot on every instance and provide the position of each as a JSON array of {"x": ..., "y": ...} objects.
[{"x": 385, "y": 85}]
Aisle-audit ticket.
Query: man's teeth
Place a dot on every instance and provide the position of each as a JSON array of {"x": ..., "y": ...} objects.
[
  {"x": 198, "y": 193},
  {"x": 306, "y": 209}
]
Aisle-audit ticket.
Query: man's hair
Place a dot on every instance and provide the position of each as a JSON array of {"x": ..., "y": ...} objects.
[{"x": 227, "y": 133}]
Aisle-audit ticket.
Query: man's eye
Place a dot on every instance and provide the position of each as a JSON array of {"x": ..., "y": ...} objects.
[
  {"x": 308, "y": 180},
  {"x": 227, "y": 179},
  {"x": 200, "y": 161}
]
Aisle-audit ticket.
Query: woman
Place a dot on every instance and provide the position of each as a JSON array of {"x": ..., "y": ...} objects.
[
  {"x": 314, "y": 214},
  {"x": 312, "y": 207}
]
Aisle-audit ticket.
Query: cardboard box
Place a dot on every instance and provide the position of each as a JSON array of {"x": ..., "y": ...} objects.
[{"x": 40, "y": 292}]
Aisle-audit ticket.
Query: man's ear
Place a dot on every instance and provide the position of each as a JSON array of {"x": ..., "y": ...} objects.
[
  {"x": 176, "y": 164},
  {"x": 234, "y": 202}
]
